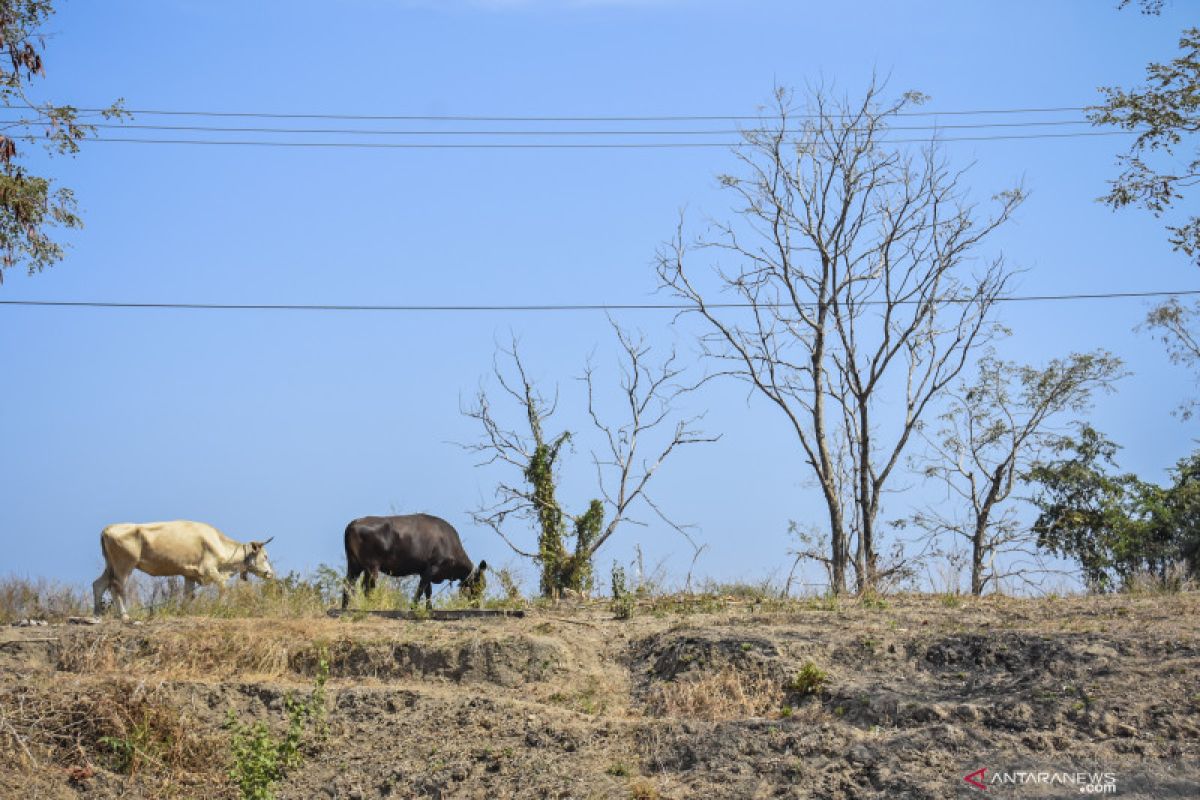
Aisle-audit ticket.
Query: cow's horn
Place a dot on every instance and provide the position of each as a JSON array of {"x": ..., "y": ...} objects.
[{"x": 268, "y": 541}]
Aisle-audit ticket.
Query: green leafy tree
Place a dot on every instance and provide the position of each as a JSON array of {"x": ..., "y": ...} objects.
[
  {"x": 1179, "y": 511},
  {"x": 1114, "y": 525},
  {"x": 31, "y": 207}
]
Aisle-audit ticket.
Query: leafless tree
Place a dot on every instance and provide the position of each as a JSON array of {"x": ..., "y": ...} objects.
[
  {"x": 992, "y": 431},
  {"x": 647, "y": 391},
  {"x": 848, "y": 293}
]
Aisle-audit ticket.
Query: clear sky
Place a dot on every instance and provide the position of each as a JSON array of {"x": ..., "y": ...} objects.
[{"x": 291, "y": 424}]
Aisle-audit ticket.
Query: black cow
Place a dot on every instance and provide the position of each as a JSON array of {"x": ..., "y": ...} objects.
[{"x": 413, "y": 544}]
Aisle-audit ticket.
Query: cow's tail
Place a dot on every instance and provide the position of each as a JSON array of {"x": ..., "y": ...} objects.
[
  {"x": 352, "y": 567},
  {"x": 108, "y": 569},
  {"x": 350, "y": 554}
]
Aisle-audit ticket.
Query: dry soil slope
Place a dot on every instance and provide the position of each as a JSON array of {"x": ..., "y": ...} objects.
[{"x": 680, "y": 701}]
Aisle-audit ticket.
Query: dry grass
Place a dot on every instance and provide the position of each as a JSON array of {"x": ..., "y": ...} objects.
[
  {"x": 294, "y": 596},
  {"x": 25, "y": 598},
  {"x": 190, "y": 651},
  {"x": 127, "y": 727},
  {"x": 728, "y": 693}
]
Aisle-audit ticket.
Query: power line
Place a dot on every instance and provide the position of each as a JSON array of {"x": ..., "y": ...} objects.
[
  {"x": 102, "y": 304},
  {"x": 518, "y": 132},
  {"x": 560, "y": 145},
  {"x": 544, "y": 118}
]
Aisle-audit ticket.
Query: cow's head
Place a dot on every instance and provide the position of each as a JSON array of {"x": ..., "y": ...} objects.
[
  {"x": 256, "y": 560},
  {"x": 474, "y": 584}
]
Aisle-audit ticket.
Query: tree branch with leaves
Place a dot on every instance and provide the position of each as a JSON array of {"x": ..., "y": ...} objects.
[{"x": 30, "y": 207}]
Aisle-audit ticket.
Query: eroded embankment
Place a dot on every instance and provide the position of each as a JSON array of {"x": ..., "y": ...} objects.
[{"x": 903, "y": 698}]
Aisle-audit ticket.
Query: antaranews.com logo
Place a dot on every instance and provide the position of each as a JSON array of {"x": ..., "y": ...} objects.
[{"x": 1083, "y": 782}]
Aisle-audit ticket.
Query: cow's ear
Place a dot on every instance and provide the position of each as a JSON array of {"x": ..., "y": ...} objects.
[
  {"x": 256, "y": 546},
  {"x": 482, "y": 566}
]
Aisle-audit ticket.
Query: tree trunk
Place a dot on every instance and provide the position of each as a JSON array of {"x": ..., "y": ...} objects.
[{"x": 977, "y": 552}]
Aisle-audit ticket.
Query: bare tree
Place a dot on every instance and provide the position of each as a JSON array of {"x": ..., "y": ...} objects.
[
  {"x": 854, "y": 301},
  {"x": 993, "y": 431},
  {"x": 647, "y": 393}
]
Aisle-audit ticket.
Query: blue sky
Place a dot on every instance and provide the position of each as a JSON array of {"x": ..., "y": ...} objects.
[{"x": 292, "y": 424}]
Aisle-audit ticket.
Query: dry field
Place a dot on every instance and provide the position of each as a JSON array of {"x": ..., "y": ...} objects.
[{"x": 697, "y": 697}]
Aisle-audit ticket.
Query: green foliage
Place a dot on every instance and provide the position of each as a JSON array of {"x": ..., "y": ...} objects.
[
  {"x": 260, "y": 758},
  {"x": 872, "y": 600},
  {"x": 129, "y": 752},
  {"x": 1115, "y": 526},
  {"x": 1164, "y": 113},
  {"x": 540, "y": 475},
  {"x": 1177, "y": 326},
  {"x": 560, "y": 570},
  {"x": 29, "y": 207},
  {"x": 808, "y": 681},
  {"x": 622, "y": 599}
]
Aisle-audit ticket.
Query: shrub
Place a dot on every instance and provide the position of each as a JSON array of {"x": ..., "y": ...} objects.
[
  {"x": 808, "y": 681},
  {"x": 259, "y": 758}
]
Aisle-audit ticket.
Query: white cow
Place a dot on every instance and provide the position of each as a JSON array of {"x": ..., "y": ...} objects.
[{"x": 198, "y": 552}]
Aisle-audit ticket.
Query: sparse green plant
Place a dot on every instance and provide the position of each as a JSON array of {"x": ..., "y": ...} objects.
[
  {"x": 825, "y": 602},
  {"x": 808, "y": 681},
  {"x": 620, "y": 770},
  {"x": 622, "y": 600},
  {"x": 950, "y": 600},
  {"x": 260, "y": 758},
  {"x": 129, "y": 752},
  {"x": 873, "y": 600}
]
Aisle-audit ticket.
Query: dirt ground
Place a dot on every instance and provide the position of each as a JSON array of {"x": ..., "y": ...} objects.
[{"x": 708, "y": 698}]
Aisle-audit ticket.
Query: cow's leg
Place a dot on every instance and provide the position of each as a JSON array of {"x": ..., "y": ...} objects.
[
  {"x": 425, "y": 587},
  {"x": 352, "y": 575},
  {"x": 99, "y": 586},
  {"x": 369, "y": 580},
  {"x": 209, "y": 575},
  {"x": 117, "y": 587}
]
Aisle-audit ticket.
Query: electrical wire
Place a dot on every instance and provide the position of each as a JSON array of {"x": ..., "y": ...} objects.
[
  {"x": 560, "y": 145},
  {"x": 676, "y": 307},
  {"x": 544, "y": 118}
]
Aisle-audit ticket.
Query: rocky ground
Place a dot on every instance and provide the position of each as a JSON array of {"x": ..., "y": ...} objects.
[{"x": 696, "y": 697}]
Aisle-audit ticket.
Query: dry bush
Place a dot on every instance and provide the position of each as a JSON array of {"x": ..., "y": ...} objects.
[
  {"x": 729, "y": 693},
  {"x": 23, "y": 598},
  {"x": 125, "y": 726},
  {"x": 1177, "y": 578}
]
